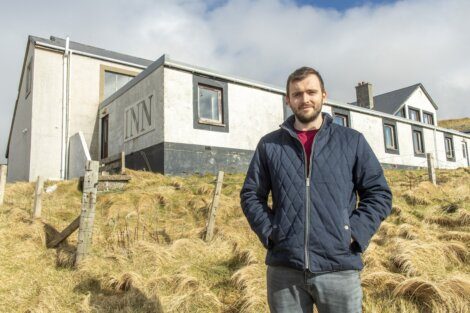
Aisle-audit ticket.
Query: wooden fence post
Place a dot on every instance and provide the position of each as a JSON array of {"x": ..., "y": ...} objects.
[
  {"x": 123, "y": 162},
  {"x": 87, "y": 216},
  {"x": 38, "y": 197},
  {"x": 214, "y": 205},
  {"x": 3, "y": 181},
  {"x": 431, "y": 169}
]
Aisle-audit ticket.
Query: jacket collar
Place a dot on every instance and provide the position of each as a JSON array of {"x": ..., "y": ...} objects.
[{"x": 289, "y": 123}]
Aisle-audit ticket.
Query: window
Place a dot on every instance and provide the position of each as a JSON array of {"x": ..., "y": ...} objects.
[
  {"x": 341, "y": 117},
  {"x": 428, "y": 118},
  {"x": 464, "y": 149},
  {"x": 414, "y": 114},
  {"x": 401, "y": 112},
  {"x": 418, "y": 142},
  {"x": 112, "y": 79},
  {"x": 113, "y": 82},
  {"x": 29, "y": 78},
  {"x": 210, "y": 111},
  {"x": 390, "y": 137},
  {"x": 449, "y": 144},
  {"x": 209, "y": 105}
]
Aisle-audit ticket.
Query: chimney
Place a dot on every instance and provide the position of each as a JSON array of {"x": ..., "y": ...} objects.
[{"x": 364, "y": 95}]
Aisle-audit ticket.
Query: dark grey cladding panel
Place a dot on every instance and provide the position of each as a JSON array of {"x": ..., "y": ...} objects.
[
  {"x": 192, "y": 159},
  {"x": 181, "y": 159},
  {"x": 148, "y": 159}
]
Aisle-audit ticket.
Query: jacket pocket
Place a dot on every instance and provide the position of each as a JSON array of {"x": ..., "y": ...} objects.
[
  {"x": 346, "y": 229},
  {"x": 277, "y": 235}
]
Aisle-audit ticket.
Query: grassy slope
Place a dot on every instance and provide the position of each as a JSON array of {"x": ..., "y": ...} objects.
[
  {"x": 148, "y": 255},
  {"x": 461, "y": 124}
]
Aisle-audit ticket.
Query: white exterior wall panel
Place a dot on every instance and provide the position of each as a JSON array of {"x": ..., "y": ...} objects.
[
  {"x": 85, "y": 98},
  {"x": 252, "y": 114},
  {"x": 47, "y": 115},
  {"x": 419, "y": 100}
]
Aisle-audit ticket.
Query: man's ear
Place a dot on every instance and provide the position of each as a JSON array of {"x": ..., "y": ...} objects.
[
  {"x": 324, "y": 95},
  {"x": 287, "y": 101}
]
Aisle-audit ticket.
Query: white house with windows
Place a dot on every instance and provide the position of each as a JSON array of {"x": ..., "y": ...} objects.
[{"x": 77, "y": 102}]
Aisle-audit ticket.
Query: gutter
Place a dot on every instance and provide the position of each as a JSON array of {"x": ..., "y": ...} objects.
[{"x": 65, "y": 87}]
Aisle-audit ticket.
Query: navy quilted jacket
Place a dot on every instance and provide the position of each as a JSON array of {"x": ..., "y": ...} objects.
[{"x": 314, "y": 215}]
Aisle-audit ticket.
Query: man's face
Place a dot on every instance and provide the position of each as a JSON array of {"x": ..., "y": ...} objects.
[{"x": 306, "y": 98}]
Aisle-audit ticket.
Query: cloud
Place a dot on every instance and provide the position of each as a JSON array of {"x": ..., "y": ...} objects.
[{"x": 390, "y": 45}]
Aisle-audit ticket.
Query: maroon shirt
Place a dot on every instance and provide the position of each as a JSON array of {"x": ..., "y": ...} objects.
[{"x": 306, "y": 138}]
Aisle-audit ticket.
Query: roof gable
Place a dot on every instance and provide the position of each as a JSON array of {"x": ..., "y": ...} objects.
[{"x": 390, "y": 102}]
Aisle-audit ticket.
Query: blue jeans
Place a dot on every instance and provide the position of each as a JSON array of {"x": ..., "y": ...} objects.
[{"x": 292, "y": 291}]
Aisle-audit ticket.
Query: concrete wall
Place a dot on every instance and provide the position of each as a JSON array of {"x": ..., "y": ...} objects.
[
  {"x": 85, "y": 97},
  {"x": 151, "y": 85},
  {"x": 20, "y": 142},
  {"x": 79, "y": 154},
  {"x": 252, "y": 114},
  {"x": 47, "y": 115}
]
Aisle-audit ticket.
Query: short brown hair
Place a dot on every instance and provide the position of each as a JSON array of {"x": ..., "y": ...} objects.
[{"x": 302, "y": 73}]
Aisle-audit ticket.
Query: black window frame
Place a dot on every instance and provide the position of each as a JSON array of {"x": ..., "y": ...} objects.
[
  {"x": 416, "y": 110},
  {"x": 214, "y": 84},
  {"x": 429, "y": 114},
  {"x": 393, "y": 124},
  {"x": 449, "y": 137},
  {"x": 420, "y": 131},
  {"x": 343, "y": 113}
]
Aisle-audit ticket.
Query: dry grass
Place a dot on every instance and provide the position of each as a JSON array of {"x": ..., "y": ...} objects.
[
  {"x": 148, "y": 255},
  {"x": 460, "y": 124}
]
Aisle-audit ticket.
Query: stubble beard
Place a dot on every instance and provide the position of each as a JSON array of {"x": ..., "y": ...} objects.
[{"x": 308, "y": 117}]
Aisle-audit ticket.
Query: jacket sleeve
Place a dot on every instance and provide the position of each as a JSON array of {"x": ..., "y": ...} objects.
[
  {"x": 375, "y": 197},
  {"x": 254, "y": 196}
]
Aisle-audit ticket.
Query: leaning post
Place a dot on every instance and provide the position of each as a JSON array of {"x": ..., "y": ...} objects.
[
  {"x": 87, "y": 216},
  {"x": 3, "y": 181},
  {"x": 213, "y": 208},
  {"x": 38, "y": 197},
  {"x": 431, "y": 168}
]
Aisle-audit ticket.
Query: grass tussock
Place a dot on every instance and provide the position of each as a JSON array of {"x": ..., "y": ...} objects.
[{"x": 148, "y": 254}]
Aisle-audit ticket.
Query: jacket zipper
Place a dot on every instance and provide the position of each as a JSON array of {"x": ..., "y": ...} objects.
[{"x": 307, "y": 192}]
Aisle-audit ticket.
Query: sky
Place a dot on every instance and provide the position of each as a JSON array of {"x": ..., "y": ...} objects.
[{"x": 391, "y": 44}]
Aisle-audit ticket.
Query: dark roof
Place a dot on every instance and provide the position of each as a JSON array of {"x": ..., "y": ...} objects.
[
  {"x": 390, "y": 102},
  {"x": 92, "y": 50}
]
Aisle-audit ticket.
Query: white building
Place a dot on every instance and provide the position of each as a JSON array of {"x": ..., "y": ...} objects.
[{"x": 77, "y": 102}]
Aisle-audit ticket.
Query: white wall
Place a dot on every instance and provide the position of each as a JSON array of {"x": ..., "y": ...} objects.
[
  {"x": 79, "y": 154},
  {"x": 419, "y": 100},
  {"x": 85, "y": 98},
  {"x": 252, "y": 113},
  {"x": 47, "y": 115}
]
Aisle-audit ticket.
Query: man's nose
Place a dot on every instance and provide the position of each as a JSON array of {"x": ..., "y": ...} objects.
[{"x": 305, "y": 97}]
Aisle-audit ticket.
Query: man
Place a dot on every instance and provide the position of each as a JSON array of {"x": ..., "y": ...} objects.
[{"x": 315, "y": 230}]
